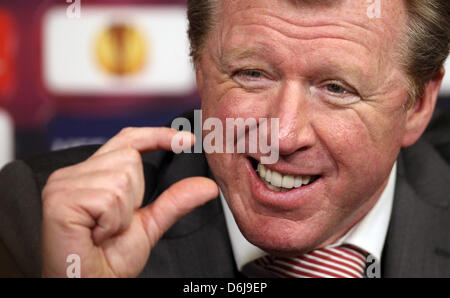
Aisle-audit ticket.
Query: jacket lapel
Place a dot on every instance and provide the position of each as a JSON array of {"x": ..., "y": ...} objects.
[{"x": 417, "y": 244}]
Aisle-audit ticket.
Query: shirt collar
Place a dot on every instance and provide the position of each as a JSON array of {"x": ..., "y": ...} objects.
[{"x": 368, "y": 234}]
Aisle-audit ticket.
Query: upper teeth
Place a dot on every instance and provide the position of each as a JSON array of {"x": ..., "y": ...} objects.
[{"x": 275, "y": 180}]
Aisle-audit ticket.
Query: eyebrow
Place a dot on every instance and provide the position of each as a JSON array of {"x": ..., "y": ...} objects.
[{"x": 241, "y": 53}]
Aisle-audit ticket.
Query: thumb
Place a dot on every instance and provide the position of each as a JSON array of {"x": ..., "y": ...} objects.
[{"x": 178, "y": 200}]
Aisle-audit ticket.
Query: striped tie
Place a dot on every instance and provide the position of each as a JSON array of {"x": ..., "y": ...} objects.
[{"x": 338, "y": 262}]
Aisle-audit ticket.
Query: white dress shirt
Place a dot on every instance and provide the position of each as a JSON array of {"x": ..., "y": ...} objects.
[{"x": 368, "y": 234}]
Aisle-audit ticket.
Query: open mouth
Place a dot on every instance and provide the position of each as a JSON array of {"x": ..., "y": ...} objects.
[{"x": 279, "y": 182}]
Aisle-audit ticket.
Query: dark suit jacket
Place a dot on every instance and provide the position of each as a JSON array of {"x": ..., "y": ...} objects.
[{"x": 417, "y": 244}]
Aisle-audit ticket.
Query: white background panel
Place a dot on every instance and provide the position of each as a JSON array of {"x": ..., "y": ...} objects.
[
  {"x": 445, "y": 89},
  {"x": 6, "y": 139},
  {"x": 69, "y": 65}
]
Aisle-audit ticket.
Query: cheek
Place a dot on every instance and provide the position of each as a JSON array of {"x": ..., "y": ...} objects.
[
  {"x": 363, "y": 151},
  {"x": 346, "y": 140},
  {"x": 235, "y": 103},
  {"x": 352, "y": 138}
]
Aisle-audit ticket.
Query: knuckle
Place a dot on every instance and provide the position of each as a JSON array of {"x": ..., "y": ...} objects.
[
  {"x": 132, "y": 156},
  {"x": 132, "y": 170},
  {"x": 113, "y": 204},
  {"x": 52, "y": 203},
  {"x": 122, "y": 181},
  {"x": 127, "y": 131},
  {"x": 52, "y": 191},
  {"x": 109, "y": 201},
  {"x": 56, "y": 175},
  {"x": 47, "y": 192}
]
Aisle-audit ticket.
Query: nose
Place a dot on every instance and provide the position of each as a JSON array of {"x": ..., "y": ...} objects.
[{"x": 294, "y": 112}]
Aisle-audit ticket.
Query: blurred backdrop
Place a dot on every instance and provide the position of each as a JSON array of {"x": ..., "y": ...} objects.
[{"x": 76, "y": 73}]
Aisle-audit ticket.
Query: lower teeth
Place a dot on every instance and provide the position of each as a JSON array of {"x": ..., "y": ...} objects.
[
  {"x": 282, "y": 189},
  {"x": 276, "y": 188}
]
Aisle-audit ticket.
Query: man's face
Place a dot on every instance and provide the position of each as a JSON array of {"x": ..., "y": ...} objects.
[{"x": 330, "y": 74}]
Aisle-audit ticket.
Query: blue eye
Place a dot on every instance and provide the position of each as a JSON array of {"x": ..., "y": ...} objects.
[
  {"x": 335, "y": 88},
  {"x": 339, "y": 93},
  {"x": 252, "y": 79}
]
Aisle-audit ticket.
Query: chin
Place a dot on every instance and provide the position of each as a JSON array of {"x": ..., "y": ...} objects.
[{"x": 279, "y": 236}]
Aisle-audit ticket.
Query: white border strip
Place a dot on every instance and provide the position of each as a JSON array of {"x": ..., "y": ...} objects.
[{"x": 445, "y": 88}]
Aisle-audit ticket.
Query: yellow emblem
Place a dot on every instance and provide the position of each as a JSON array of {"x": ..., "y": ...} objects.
[{"x": 121, "y": 50}]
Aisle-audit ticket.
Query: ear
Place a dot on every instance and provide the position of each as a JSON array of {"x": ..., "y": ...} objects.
[{"x": 419, "y": 116}]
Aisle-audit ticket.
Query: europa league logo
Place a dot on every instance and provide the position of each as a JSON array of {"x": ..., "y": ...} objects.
[{"x": 121, "y": 50}]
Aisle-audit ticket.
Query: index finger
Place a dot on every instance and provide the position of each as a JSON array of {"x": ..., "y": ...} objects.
[{"x": 144, "y": 139}]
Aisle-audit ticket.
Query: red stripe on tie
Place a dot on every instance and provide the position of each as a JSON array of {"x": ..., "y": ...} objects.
[
  {"x": 341, "y": 257},
  {"x": 316, "y": 265},
  {"x": 325, "y": 270},
  {"x": 278, "y": 272},
  {"x": 290, "y": 269},
  {"x": 327, "y": 258},
  {"x": 352, "y": 253},
  {"x": 345, "y": 271}
]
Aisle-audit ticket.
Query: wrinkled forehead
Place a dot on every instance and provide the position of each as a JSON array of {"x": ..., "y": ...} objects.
[{"x": 384, "y": 17}]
